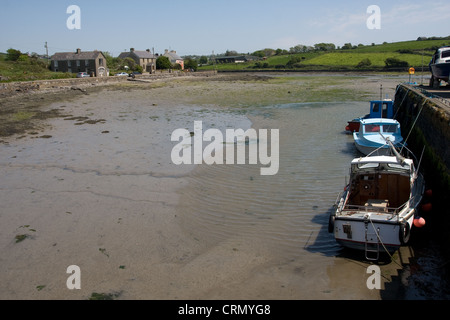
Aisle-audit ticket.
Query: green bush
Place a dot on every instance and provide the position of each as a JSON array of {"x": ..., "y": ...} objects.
[
  {"x": 364, "y": 63},
  {"x": 395, "y": 63},
  {"x": 13, "y": 54}
]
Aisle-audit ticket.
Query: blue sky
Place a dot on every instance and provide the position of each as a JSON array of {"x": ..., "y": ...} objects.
[{"x": 197, "y": 27}]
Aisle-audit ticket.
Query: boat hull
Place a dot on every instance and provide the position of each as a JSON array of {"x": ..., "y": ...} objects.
[
  {"x": 440, "y": 71},
  {"x": 367, "y": 147},
  {"x": 353, "y": 126},
  {"x": 366, "y": 150},
  {"x": 360, "y": 233}
]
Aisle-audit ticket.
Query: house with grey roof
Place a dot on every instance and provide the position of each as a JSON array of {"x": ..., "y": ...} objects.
[
  {"x": 174, "y": 58},
  {"x": 145, "y": 59},
  {"x": 92, "y": 62}
]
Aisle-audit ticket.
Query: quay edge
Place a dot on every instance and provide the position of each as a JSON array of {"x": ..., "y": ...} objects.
[{"x": 425, "y": 121}]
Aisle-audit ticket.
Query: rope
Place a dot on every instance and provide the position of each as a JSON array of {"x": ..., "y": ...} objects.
[
  {"x": 379, "y": 239},
  {"x": 410, "y": 131},
  {"x": 404, "y": 97},
  {"x": 392, "y": 258}
]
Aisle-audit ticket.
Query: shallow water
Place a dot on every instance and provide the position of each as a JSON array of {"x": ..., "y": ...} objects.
[{"x": 107, "y": 194}]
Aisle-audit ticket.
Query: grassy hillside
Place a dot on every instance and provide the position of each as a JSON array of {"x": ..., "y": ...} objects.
[
  {"x": 413, "y": 53},
  {"x": 352, "y": 59},
  {"x": 417, "y": 46},
  {"x": 26, "y": 71}
]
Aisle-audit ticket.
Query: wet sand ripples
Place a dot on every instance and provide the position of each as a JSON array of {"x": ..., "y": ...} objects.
[{"x": 287, "y": 212}]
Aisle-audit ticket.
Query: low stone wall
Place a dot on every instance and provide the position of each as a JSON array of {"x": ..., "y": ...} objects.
[
  {"x": 425, "y": 122},
  {"x": 9, "y": 88}
]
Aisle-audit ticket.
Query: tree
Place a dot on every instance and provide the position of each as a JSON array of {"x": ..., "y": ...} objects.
[
  {"x": 364, "y": 63},
  {"x": 191, "y": 64},
  {"x": 300, "y": 48},
  {"x": 293, "y": 61},
  {"x": 13, "y": 54},
  {"x": 324, "y": 46},
  {"x": 347, "y": 46},
  {"x": 129, "y": 62},
  {"x": 231, "y": 53},
  {"x": 163, "y": 63},
  {"x": 203, "y": 60}
]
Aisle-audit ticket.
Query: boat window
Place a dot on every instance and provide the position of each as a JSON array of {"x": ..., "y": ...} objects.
[
  {"x": 390, "y": 128},
  {"x": 376, "y": 107},
  {"x": 446, "y": 54},
  {"x": 399, "y": 166},
  {"x": 368, "y": 165},
  {"x": 372, "y": 128},
  {"x": 385, "y": 109}
]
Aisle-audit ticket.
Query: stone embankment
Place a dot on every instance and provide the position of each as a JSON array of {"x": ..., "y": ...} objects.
[
  {"x": 425, "y": 121},
  {"x": 11, "y": 88}
]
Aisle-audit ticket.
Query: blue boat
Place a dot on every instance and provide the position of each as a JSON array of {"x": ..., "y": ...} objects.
[
  {"x": 440, "y": 66},
  {"x": 378, "y": 109},
  {"x": 373, "y": 135}
]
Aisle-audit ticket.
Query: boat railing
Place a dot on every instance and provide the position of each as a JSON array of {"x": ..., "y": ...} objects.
[{"x": 352, "y": 209}]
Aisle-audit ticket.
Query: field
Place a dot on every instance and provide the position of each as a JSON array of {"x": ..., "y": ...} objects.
[{"x": 414, "y": 53}]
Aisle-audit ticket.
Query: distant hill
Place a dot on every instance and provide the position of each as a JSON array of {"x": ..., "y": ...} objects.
[{"x": 401, "y": 55}]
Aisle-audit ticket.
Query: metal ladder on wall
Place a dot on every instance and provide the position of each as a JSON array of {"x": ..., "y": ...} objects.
[{"x": 372, "y": 242}]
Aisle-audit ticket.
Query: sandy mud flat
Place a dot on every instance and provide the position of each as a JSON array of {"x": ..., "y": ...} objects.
[{"x": 87, "y": 179}]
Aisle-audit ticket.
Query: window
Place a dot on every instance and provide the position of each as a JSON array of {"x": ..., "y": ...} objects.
[
  {"x": 55, "y": 63},
  {"x": 372, "y": 128},
  {"x": 86, "y": 62},
  {"x": 385, "y": 110},
  {"x": 78, "y": 63},
  {"x": 376, "y": 107},
  {"x": 390, "y": 128},
  {"x": 100, "y": 61},
  {"x": 69, "y": 63},
  {"x": 446, "y": 54}
]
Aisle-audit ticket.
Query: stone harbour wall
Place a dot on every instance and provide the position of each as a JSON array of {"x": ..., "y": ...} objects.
[{"x": 425, "y": 123}]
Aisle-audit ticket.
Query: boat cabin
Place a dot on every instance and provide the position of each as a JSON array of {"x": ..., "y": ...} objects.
[
  {"x": 379, "y": 183},
  {"x": 388, "y": 127},
  {"x": 382, "y": 109},
  {"x": 442, "y": 55},
  {"x": 378, "y": 109}
]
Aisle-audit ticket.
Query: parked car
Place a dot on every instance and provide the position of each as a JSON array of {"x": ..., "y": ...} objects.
[
  {"x": 134, "y": 73},
  {"x": 122, "y": 74},
  {"x": 83, "y": 75}
]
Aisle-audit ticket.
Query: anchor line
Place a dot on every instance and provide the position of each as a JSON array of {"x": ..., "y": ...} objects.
[{"x": 384, "y": 247}]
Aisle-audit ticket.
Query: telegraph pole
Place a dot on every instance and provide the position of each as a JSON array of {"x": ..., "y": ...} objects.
[{"x": 46, "y": 48}]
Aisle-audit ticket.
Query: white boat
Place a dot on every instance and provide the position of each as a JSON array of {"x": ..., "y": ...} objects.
[
  {"x": 440, "y": 66},
  {"x": 376, "y": 211},
  {"x": 373, "y": 136}
]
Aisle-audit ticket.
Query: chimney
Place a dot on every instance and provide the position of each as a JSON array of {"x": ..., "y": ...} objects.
[
  {"x": 131, "y": 49},
  {"x": 78, "y": 51}
]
